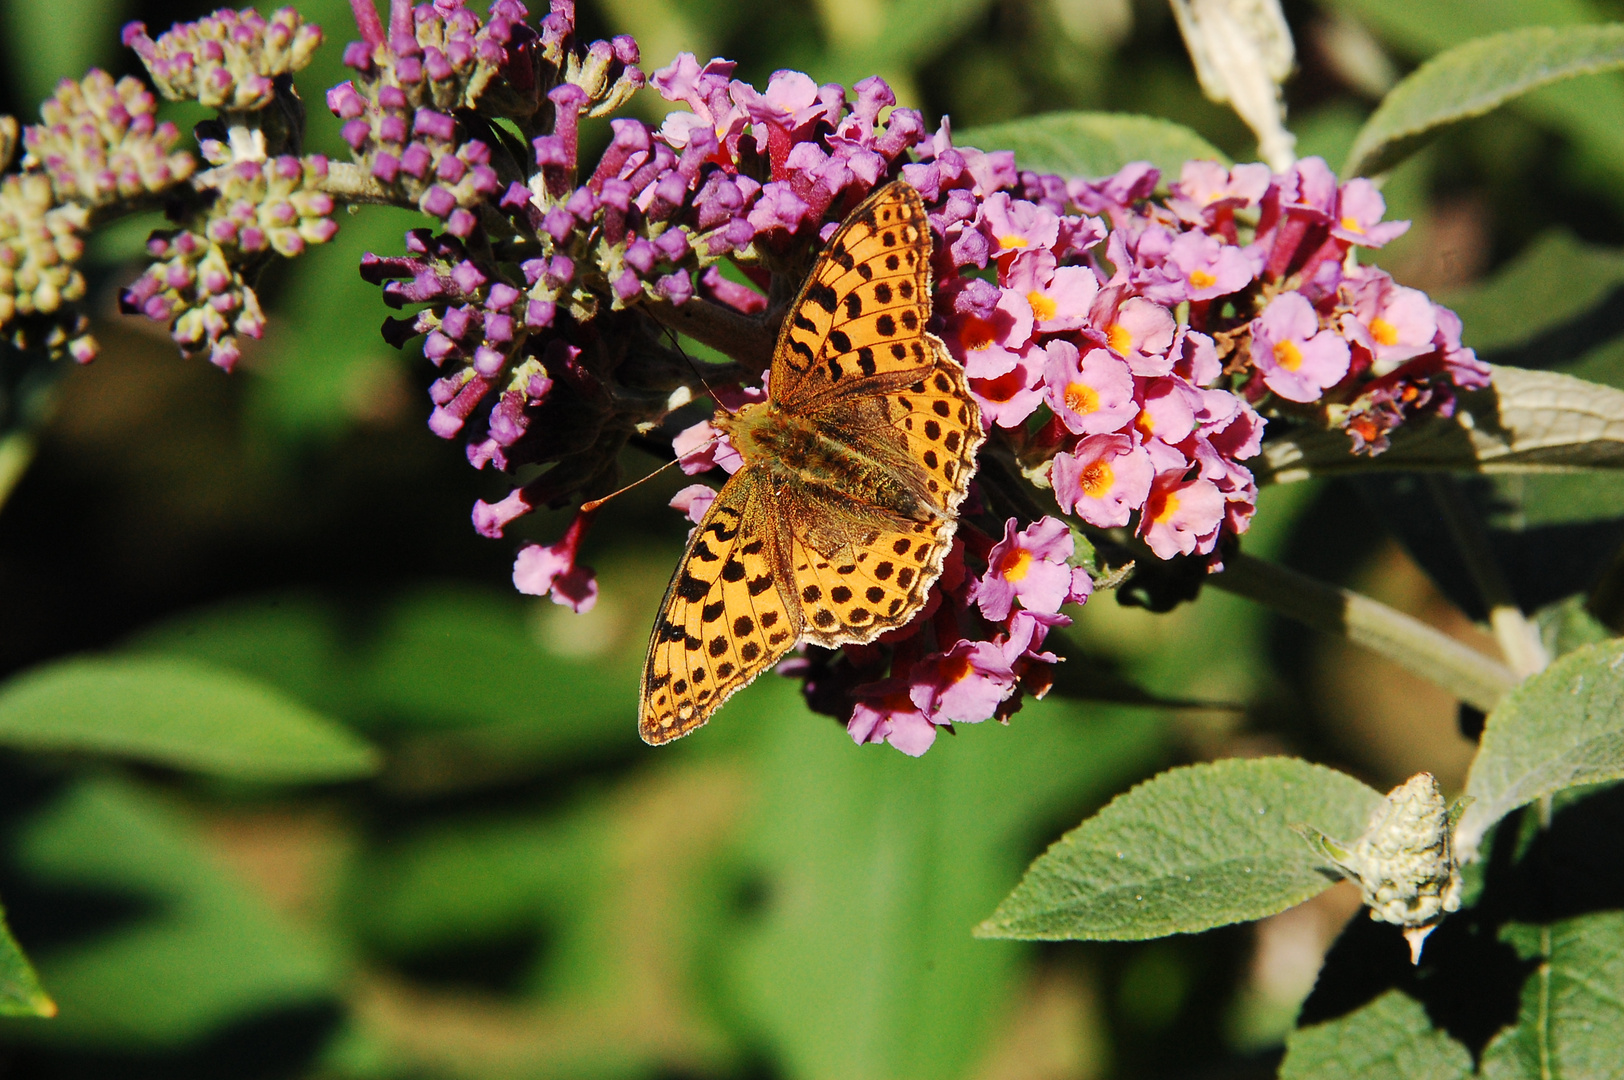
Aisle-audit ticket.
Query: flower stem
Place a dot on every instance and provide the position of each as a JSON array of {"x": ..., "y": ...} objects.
[
  {"x": 16, "y": 454},
  {"x": 1518, "y": 638},
  {"x": 1418, "y": 648}
]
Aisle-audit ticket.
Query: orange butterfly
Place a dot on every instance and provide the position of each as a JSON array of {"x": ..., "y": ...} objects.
[{"x": 834, "y": 529}]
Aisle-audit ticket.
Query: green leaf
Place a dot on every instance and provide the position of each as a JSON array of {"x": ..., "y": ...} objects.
[
  {"x": 1475, "y": 78},
  {"x": 179, "y": 713},
  {"x": 1389, "y": 1039},
  {"x": 201, "y": 950},
  {"x": 1193, "y": 848},
  {"x": 1566, "y": 625},
  {"x": 1559, "y": 729},
  {"x": 1555, "y": 280},
  {"x": 1571, "y": 1021},
  {"x": 868, "y": 867},
  {"x": 1528, "y": 420},
  {"x": 1089, "y": 145},
  {"x": 20, "y": 991}
]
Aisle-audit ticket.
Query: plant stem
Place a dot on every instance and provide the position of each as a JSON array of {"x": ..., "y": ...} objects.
[
  {"x": 1518, "y": 638},
  {"x": 1418, "y": 648},
  {"x": 16, "y": 454}
]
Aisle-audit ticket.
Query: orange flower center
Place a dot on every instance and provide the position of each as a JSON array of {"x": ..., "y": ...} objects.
[
  {"x": 977, "y": 334},
  {"x": 1012, "y": 240},
  {"x": 1202, "y": 280},
  {"x": 1352, "y": 226},
  {"x": 957, "y": 669},
  {"x": 1383, "y": 331},
  {"x": 1120, "y": 339},
  {"x": 1161, "y": 505},
  {"x": 1082, "y": 398},
  {"x": 1043, "y": 308},
  {"x": 1144, "y": 422},
  {"x": 1096, "y": 479},
  {"x": 1288, "y": 355},
  {"x": 1013, "y": 564}
]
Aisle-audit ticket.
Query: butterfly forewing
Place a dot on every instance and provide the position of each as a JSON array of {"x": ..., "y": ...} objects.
[
  {"x": 863, "y": 310},
  {"x": 724, "y": 619}
]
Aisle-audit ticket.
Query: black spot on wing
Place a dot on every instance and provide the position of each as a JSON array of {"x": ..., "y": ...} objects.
[{"x": 824, "y": 296}]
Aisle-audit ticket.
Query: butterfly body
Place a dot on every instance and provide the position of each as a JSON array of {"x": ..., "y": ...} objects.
[{"x": 838, "y": 522}]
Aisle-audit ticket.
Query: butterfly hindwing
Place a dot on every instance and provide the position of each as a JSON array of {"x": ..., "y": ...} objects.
[{"x": 724, "y": 619}]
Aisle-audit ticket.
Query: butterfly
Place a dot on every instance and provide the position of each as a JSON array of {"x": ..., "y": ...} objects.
[{"x": 836, "y": 526}]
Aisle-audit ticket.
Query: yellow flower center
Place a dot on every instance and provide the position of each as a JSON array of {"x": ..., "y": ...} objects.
[
  {"x": 1201, "y": 279},
  {"x": 1144, "y": 422},
  {"x": 1082, "y": 398},
  {"x": 1352, "y": 226},
  {"x": 1096, "y": 479},
  {"x": 1014, "y": 563},
  {"x": 1120, "y": 339},
  {"x": 1383, "y": 331},
  {"x": 1043, "y": 308},
  {"x": 1010, "y": 241},
  {"x": 1288, "y": 355},
  {"x": 958, "y": 669}
]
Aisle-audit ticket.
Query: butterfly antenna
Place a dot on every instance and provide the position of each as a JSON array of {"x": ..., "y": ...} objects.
[
  {"x": 677, "y": 344},
  {"x": 592, "y": 506}
]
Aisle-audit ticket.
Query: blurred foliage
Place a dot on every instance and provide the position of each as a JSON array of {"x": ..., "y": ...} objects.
[{"x": 523, "y": 889}]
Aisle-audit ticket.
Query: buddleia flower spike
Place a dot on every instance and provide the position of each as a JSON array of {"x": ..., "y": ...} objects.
[{"x": 1405, "y": 861}]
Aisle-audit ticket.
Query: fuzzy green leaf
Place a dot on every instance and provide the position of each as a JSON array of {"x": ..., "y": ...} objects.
[
  {"x": 1089, "y": 144},
  {"x": 1191, "y": 849},
  {"x": 1559, "y": 729},
  {"x": 1476, "y": 78},
  {"x": 20, "y": 991},
  {"x": 1389, "y": 1039},
  {"x": 179, "y": 713}
]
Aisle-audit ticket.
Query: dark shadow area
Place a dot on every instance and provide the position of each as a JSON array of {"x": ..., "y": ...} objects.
[
  {"x": 271, "y": 1046},
  {"x": 498, "y": 964}
]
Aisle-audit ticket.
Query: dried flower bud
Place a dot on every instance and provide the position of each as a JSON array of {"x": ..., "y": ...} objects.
[{"x": 1405, "y": 862}]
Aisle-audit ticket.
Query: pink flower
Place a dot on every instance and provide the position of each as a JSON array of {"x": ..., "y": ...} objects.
[
  {"x": 1015, "y": 395},
  {"x": 705, "y": 91},
  {"x": 1181, "y": 517},
  {"x": 540, "y": 571},
  {"x": 884, "y": 712},
  {"x": 1359, "y": 211},
  {"x": 989, "y": 347},
  {"x": 792, "y": 100},
  {"x": 1102, "y": 480},
  {"x": 1169, "y": 410},
  {"x": 1060, "y": 299},
  {"x": 702, "y": 447},
  {"x": 967, "y": 683},
  {"x": 694, "y": 501},
  {"x": 1205, "y": 187},
  {"x": 1136, "y": 329},
  {"x": 1394, "y": 322},
  {"x": 1016, "y": 225},
  {"x": 1029, "y": 566},
  {"x": 1201, "y": 267},
  {"x": 1092, "y": 394},
  {"x": 1297, "y": 362}
]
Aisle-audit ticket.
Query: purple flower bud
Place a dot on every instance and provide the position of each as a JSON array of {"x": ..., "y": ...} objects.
[
  {"x": 436, "y": 125},
  {"x": 978, "y": 298},
  {"x": 356, "y": 133},
  {"x": 559, "y": 223},
  {"x": 392, "y": 97},
  {"x": 673, "y": 244},
  {"x": 641, "y": 255},
  {"x": 438, "y": 202},
  {"x": 562, "y": 269},
  {"x": 489, "y": 361},
  {"x": 461, "y": 223},
  {"x": 344, "y": 102},
  {"x": 582, "y": 204},
  {"x": 358, "y": 55},
  {"x": 451, "y": 169},
  {"x": 437, "y": 347},
  {"x": 468, "y": 277},
  {"x": 409, "y": 69},
  {"x": 392, "y": 129},
  {"x": 516, "y": 197},
  {"x": 457, "y": 321},
  {"x": 415, "y": 161},
  {"x": 498, "y": 327},
  {"x": 385, "y": 166},
  {"x": 539, "y": 313},
  {"x": 627, "y": 285},
  {"x": 676, "y": 287},
  {"x": 625, "y": 48},
  {"x": 503, "y": 296}
]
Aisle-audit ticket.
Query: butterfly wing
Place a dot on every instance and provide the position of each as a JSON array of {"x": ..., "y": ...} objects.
[
  {"x": 863, "y": 310},
  {"x": 724, "y": 619}
]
